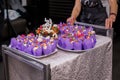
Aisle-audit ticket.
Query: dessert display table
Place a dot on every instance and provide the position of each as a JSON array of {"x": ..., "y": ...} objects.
[{"x": 92, "y": 64}]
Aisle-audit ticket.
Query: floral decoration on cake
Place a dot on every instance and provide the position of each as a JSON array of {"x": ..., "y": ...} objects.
[{"x": 48, "y": 29}]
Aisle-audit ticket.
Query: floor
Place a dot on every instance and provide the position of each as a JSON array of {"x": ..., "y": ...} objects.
[{"x": 116, "y": 60}]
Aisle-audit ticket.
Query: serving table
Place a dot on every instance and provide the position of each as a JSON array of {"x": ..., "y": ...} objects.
[{"x": 92, "y": 64}]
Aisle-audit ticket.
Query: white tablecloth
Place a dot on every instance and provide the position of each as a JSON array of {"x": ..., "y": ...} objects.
[{"x": 94, "y": 64}]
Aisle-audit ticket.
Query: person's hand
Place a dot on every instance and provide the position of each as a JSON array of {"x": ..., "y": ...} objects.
[
  {"x": 109, "y": 21},
  {"x": 71, "y": 20}
]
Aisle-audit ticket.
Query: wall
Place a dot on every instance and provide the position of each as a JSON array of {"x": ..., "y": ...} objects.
[{"x": 60, "y": 10}]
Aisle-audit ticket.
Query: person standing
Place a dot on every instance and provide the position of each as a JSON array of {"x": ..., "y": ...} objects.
[{"x": 98, "y": 12}]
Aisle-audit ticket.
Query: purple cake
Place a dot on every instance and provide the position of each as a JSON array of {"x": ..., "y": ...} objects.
[
  {"x": 24, "y": 46},
  {"x": 13, "y": 42},
  {"x": 37, "y": 51},
  {"x": 61, "y": 42},
  {"x": 54, "y": 45},
  {"x": 47, "y": 49},
  {"x": 29, "y": 49},
  {"x": 93, "y": 40},
  {"x": 68, "y": 44},
  {"x": 19, "y": 44},
  {"x": 87, "y": 43},
  {"x": 77, "y": 45}
]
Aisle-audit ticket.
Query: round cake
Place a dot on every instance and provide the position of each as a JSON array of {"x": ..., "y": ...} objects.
[
  {"x": 76, "y": 37},
  {"x": 34, "y": 44}
]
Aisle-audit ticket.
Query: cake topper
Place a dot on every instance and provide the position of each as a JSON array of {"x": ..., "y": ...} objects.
[{"x": 48, "y": 24}]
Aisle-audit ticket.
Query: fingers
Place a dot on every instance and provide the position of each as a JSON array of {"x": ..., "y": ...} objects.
[
  {"x": 71, "y": 20},
  {"x": 108, "y": 23}
]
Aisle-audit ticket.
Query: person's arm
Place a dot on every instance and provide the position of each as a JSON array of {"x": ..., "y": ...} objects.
[
  {"x": 113, "y": 13},
  {"x": 75, "y": 12}
]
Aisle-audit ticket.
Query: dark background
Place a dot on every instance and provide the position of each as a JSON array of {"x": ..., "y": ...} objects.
[{"x": 57, "y": 10}]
